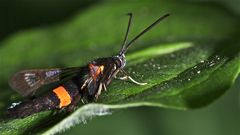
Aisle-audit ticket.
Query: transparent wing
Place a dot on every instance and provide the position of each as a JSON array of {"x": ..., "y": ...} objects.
[{"x": 26, "y": 82}]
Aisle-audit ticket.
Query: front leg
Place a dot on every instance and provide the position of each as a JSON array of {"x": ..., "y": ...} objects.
[{"x": 126, "y": 77}]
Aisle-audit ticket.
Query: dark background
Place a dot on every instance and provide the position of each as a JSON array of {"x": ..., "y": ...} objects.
[
  {"x": 219, "y": 118},
  {"x": 17, "y": 15}
]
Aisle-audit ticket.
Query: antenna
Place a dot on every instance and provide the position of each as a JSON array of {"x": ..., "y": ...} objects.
[
  {"x": 126, "y": 46},
  {"x": 126, "y": 34}
]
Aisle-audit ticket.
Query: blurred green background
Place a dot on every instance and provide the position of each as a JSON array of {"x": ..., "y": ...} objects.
[{"x": 218, "y": 118}]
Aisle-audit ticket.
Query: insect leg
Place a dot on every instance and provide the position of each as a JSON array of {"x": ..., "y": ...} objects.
[
  {"x": 99, "y": 91},
  {"x": 84, "y": 101},
  {"x": 127, "y": 77},
  {"x": 104, "y": 87}
]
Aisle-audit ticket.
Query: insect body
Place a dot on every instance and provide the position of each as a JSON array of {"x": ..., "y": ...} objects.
[{"x": 80, "y": 83}]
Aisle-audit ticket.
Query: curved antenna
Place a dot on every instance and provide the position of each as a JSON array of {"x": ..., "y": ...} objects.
[
  {"x": 126, "y": 34},
  {"x": 143, "y": 32}
]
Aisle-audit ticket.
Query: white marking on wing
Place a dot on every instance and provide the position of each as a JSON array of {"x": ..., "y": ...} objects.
[
  {"x": 30, "y": 78},
  {"x": 52, "y": 73}
]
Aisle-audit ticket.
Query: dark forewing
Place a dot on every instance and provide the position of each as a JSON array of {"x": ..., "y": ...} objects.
[{"x": 26, "y": 82}]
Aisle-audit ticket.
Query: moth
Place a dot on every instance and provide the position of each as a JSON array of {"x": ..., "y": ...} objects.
[{"x": 83, "y": 83}]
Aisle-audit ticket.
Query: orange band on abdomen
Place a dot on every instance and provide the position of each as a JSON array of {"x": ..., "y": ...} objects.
[{"x": 63, "y": 96}]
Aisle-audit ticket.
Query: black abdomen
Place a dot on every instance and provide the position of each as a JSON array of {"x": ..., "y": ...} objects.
[{"x": 55, "y": 99}]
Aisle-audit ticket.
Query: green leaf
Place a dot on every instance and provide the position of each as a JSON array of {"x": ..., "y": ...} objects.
[{"x": 189, "y": 60}]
